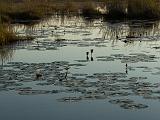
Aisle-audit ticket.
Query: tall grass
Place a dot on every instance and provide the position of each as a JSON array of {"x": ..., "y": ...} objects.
[
  {"x": 38, "y": 9},
  {"x": 6, "y": 34},
  {"x": 29, "y": 9},
  {"x": 11, "y": 10},
  {"x": 144, "y": 9},
  {"x": 26, "y": 10}
]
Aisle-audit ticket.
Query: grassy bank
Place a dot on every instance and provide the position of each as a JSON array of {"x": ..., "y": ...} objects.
[
  {"x": 7, "y": 36},
  {"x": 39, "y": 9},
  {"x": 28, "y": 11},
  {"x": 133, "y": 9},
  {"x": 11, "y": 12}
]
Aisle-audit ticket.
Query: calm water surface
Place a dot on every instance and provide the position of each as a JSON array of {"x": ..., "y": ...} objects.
[{"x": 52, "y": 77}]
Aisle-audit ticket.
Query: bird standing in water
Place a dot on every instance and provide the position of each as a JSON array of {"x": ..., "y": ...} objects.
[
  {"x": 126, "y": 65},
  {"x": 52, "y": 32},
  {"x": 117, "y": 37},
  {"x": 87, "y": 53},
  {"x": 126, "y": 68},
  {"x": 91, "y": 54},
  {"x": 91, "y": 51},
  {"x": 92, "y": 58},
  {"x": 38, "y": 74}
]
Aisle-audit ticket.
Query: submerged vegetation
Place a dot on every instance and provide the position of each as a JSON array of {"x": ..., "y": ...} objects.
[{"x": 29, "y": 11}]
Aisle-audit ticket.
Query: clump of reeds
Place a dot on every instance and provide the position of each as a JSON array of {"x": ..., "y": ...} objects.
[
  {"x": 89, "y": 9},
  {"x": 6, "y": 35},
  {"x": 133, "y": 9},
  {"x": 26, "y": 10},
  {"x": 11, "y": 11},
  {"x": 143, "y": 9},
  {"x": 116, "y": 9}
]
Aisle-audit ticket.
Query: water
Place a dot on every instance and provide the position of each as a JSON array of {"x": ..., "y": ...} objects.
[{"x": 52, "y": 77}]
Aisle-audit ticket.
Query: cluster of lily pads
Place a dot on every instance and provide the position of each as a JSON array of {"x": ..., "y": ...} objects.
[
  {"x": 131, "y": 58},
  {"x": 49, "y": 44},
  {"x": 114, "y": 87}
]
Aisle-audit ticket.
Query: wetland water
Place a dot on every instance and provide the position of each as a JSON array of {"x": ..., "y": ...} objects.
[{"x": 52, "y": 77}]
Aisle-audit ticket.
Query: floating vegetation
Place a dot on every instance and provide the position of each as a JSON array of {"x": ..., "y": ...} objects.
[
  {"x": 128, "y": 104},
  {"x": 132, "y": 58},
  {"x": 33, "y": 92},
  {"x": 95, "y": 86},
  {"x": 70, "y": 99}
]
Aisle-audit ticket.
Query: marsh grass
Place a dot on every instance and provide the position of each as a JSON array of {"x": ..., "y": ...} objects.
[
  {"x": 39, "y": 9},
  {"x": 144, "y": 9},
  {"x": 28, "y": 10},
  {"x": 6, "y": 35},
  {"x": 31, "y": 10},
  {"x": 11, "y": 11},
  {"x": 133, "y": 9}
]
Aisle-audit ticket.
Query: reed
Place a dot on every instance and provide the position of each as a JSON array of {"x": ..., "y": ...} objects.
[
  {"x": 6, "y": 34},
  {"x": 133, "y": 9},
  {"x": 11, "y": 11}
]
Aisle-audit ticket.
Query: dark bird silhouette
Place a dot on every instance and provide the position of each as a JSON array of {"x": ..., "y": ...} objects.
[
  {"x": 37, "y": 43},
  {"x": 87, "y": 53},
  {"x": 126, "y": 65},
  {"x": 126, "y": 71},
  {"x": 125, "y": 41},
  {"x": 52, "y": 32},
  {"x": 67, "y": 68},
  {"x": 117, "y": 37},
  {"x": 87, "y": 58},
  {"x": 140, "y": 35},
  {"x": 92, "y": 59},
  {"x": 91, "y": 51},
  {"x": 38, "y": 74},
  {"x": 126, "y": 68}
]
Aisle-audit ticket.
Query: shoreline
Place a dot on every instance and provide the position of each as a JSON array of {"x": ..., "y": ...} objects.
[{"x": 32, "y": 12}]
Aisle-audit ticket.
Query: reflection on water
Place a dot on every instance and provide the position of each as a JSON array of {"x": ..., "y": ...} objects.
[
  {"x": 5, "y": 54},
  {"x": 75, "y": 60},
  {"x": 59, "y": 26}
]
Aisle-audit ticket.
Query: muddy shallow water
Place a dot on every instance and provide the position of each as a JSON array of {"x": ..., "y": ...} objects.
[{"x": 82, "y": 69}]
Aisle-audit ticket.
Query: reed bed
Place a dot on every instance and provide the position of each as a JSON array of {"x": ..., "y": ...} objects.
[{"x": 30, "y": 10}]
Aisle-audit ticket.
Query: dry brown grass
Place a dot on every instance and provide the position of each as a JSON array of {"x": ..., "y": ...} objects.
[
  {"x": 38, "y": 9},
  {"x": 6, "y": 34}
]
